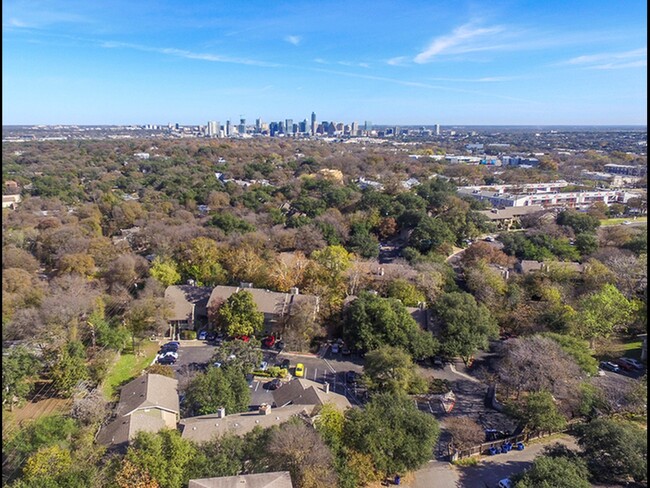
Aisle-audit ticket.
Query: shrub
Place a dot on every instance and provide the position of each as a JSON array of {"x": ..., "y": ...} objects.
[{"x": 188, "y": 334}]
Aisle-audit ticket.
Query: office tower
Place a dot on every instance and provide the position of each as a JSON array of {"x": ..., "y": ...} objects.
[
  {"x": 437, "y": 127},
  {"x": 302, "y": 128},
  {"x": 242, "y": 126},
  {"x": 213, "y": 128},
  {"x": 288, "y": 126},
  {"x": 354, "y": 131},
  {"x": 367, "y": 126},
  {"x": 228, "y": 128},
  {"x": 396, "y": 131},
  {"x": 258, "y": 125},
  {"x": 273, "y": 129},
  {"x": 331, "y": 129},
  {"x": 313, "y": 123}
]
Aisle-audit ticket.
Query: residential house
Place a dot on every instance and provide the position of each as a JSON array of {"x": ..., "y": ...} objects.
[
  {"x": 279, "y": 479},
  {"x": 203, "y": 428},
  {"x": 528, "y": 266},
  {"x": 274, "y": 305},
  {"x": 148, "y": 403},
  {"x": 10, "y": 201},
  {"x": 189, "y": 307},
  {"x": 300, "y": 391},
  {"x": 504, "y": 218}
]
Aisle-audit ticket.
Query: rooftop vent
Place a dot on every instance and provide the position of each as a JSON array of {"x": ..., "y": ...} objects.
[
  {"x": 245, "y": 284},
  {"x": 265, "y": 409},
  {"x": 221, "y": 413}
]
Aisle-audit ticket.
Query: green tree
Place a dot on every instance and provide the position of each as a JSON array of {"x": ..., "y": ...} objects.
[
  {"x": 559, "y": 472},
  {"x": 466, "y": 325},
  {"x": 579, "y": 222},
  {"x": 245, "y": 355},
  {"x": 539, "y": 413},
  {"x": 224, "y": 387},
  {"x": 238, "y": 316},
  {"x": 50, "y": 461},
  {"x": 615, "y": 450},
  {"x": 165, "y": 271},
  {"x": 165, "y": 456},
  {"x": 601, "y": 312},
  {"x": 19, "y": 367},
  {"x": 578, "y": 350},
  {"x": 70, "y": 368},
  {"x": 390, "y": 369},
  {"x": 406, "y": 292},
  {"x": 329, "y": 422},
  {"x": 586, "y": 243},
  {"x": 396, "y": 435},
  {"x": 335, "y": 259},
  {"x": 372, "y": 321},
  {"x": 201, "y": 262}
]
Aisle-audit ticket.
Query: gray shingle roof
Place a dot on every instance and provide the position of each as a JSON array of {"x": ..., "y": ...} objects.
[
  {"x": 148, "y": 391},
  {"x": 123, "y": 429},
  {"x": 268, "y": 302},
  {"x": 280, "y": 479},
  {"x": 205, "y": 427},
  {"x": 187, "y": 301},
  {"x": 301, "y": 391}
]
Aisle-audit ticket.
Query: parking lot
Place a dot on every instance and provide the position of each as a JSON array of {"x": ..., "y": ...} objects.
[{"x": 194, "y": 356}]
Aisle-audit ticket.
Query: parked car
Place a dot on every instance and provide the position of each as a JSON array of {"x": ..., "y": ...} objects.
[
  {"x": 624, "y": 365},
  {"x": 633, "y": 363},
  {"x": 608, "y": 365},
  {"x": 335, "y": 348},
  {"x": 279, "y": 345},
  {"x": 268, "y": 341},
  {"x": 351, "y": 377},
  {"x": 168, "y": 347},
  {"x": 300, "y": 370},
  {"x": 166, "y": 360},
  {"x": 285, "y": 364},
  {"x": 505, "y": 483},
  {"x": 244, "y": 338},
  {"x": 275, "y": 383},
  {"x": 173, "y": 354},
  {"x": 263, "y": 366},
  {"x": 202, "y": 335},
  {"x": 210, "y": 336},
  {"x": 345, "y": 350},
  {"x": 627, "y": 222}
]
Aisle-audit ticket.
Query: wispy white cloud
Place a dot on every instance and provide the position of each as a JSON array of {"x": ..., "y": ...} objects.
[
  {"x": 398, "y": 61},
  {"x": 295, "y": 40},
  {"x": 636, "y": 58},
  {"x": 485, "y": 79},
  {"x": 320, "y": 61},
  {"x": 13, "y": 22},
  {"x": 182, "y": 53},
  {"x": 353, "y": 64},
  {"x": 417, "y": 84},
  {"x": 467, "y": 38}
]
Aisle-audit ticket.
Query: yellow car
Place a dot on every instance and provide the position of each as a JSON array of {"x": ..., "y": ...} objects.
[{"x": 300, "y": 370}]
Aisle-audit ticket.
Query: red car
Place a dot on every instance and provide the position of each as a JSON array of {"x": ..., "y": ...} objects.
[
  {"x": 268, "y": 341},
  {"x": 243, "y": 338}
]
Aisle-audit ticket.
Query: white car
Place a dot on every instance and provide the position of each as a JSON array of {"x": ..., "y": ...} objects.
[
  {"x": 505, "y": 483},
  {"x": 263, "y": 366},
  {"x": 169, "y": 353}
]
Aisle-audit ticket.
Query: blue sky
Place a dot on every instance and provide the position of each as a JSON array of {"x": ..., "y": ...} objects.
[{"x": 390, "y": 62}]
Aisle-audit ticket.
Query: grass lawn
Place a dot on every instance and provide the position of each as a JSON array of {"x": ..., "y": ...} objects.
[
  {"x": 128, "y": 366},
  {"x": 617, "y": 347},
  {"x": 623, "y": 219}
]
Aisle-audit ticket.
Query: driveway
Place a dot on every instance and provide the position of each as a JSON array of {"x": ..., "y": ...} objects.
[{"x": 488, "y": 472}]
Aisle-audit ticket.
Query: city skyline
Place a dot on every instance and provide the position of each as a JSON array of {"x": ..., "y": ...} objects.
[{"x": 419, "y": 63}]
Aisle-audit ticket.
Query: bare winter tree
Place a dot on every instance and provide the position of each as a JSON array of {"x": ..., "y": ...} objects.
[
  {"x": 464, "y": 431},
  {"x": 533, "y": 364}
]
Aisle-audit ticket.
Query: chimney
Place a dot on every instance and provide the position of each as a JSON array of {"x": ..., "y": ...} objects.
[
  {"x": 327, "y": 387},
  {"x": 264, "y": 409},
  {"x": 294, "y": 291},
  {"x": 221, "y": 413},
  {"x": 244, "y": 284}
]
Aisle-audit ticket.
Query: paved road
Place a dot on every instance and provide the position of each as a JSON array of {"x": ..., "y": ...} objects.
[{"x": 491, "y": 469}]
